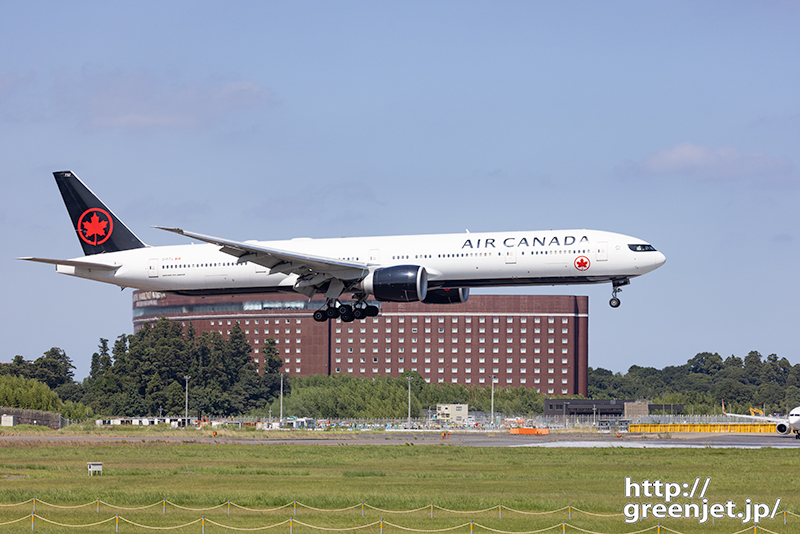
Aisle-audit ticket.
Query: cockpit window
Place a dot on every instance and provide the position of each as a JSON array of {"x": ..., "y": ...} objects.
[{"x": 642, "y": 248}]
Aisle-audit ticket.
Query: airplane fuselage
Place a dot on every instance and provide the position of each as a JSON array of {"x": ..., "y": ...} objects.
[{"x": 467, "y": 260}]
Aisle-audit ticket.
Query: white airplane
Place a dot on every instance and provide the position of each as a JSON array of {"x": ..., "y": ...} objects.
[
  {"x": 434, "y": 269},
  {"x": 783, "y": 425}
]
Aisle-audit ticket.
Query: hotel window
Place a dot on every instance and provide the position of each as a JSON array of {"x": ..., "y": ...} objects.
[
  {"x": 509, "y": 370},
  {"x": 523, "y": 370},
  {"x": 537, "y": 371},
  {"x": 509, "y": 330},
  {"x": 427, "y": 369},
  {"x": 523, "y": 380},
  {"x": 441, "y": 380},
  {"x": 349, "y": 369},
  {"x": 563, "y": 380},
  {"x": 375, "y": 370},
  {"x": 537, "y": 320},
  {"x": 565, "y": 320},
  {"x": 441, "y": 370},
  {"x": 564, "y": 370},
  {"x": 495, "y": 370},
  {"x": 564, "y": 351},
  {"x": 427, "y": 360},
  {"x": 550, "y": 381},
  {"x": 563, "y": 391},
  {"x": 551, "y": 320},
  {"x": 481, "y": 370},
  {"x": 481, "y": 380},
  {"x": 509, "y": 380},
  {"x": 496, "y": 320},
  {"x": 482, "y": 320},
  {"x": 564, "y": 340},
  {"x": 509, "y": 360},
  {"x": 468, "y": 369},
  {"x": 441, "y": 360},
  {"x": 454, "y": 360},
  {"x": 413, "y": 360},
  {"x": 536, "y": 380}
]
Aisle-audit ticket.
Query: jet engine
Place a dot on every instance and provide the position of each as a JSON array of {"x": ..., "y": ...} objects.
[
  {"x": 401, "y": 283},
  {"x": 456, "y": 295},
  {"x": 783, "y": 429}
]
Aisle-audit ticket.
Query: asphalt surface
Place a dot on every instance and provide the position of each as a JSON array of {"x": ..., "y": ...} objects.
[{"x": 462, "y": 439}]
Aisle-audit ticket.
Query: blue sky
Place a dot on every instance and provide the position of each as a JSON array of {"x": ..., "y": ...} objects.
[{"x": 676, "y": 122}]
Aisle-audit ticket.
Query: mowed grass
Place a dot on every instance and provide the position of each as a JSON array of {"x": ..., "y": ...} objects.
[{"x": 388, "y": 477}]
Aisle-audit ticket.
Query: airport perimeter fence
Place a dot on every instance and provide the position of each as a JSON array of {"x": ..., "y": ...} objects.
[{"x": 363, "y": 506}]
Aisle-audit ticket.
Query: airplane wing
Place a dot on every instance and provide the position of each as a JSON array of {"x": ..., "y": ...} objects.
[
  {"x": 311, "y": 270},
  {"x": 754, "y": 417},
  {"x": 74, "y": 263}
]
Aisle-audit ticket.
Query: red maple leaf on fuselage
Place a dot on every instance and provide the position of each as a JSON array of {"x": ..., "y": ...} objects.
[{"x": 94, "y": 227}]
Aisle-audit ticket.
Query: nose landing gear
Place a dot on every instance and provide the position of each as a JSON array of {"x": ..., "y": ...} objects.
[{"x": 616, "y": 288}]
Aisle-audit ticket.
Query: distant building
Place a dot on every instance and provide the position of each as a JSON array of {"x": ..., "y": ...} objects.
[
  {"x": 455, "y": 413},
  {"x": 530, "y": 341},
  {"x": 606, "y": 407}
]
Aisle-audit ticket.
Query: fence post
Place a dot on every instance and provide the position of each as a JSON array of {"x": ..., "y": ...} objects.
[
  {"x": 362, "y": 508},
  {"x": 659, "y": 529},
  {"x": 164, "y": 506},
  {"x": 431, "y": 509},
  {"x": 229, "y": 507},
  {"x": 563, "y": 527},
  {"x": 203, "y": 523},
  {"x": 290, "y": 525},
  {"x": 33, "y": 515},
  {"x": 500, "y": 508},
  {"x": 381, "y": 525},
  {"x": 117, "y": 523},
  {"x": 295, "y": 507},
  {"x": 784, "y": 517},
  {"x": 34, "y": 505},
  {"x": 470, "y": 527},
  {"x": 569, "y": 511},
  {"x": 98, "y": 506}
]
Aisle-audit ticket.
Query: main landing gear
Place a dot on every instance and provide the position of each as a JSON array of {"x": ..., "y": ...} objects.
[
  {"x": 616, "y": 285},
  {"x": 346, "y": 312}
]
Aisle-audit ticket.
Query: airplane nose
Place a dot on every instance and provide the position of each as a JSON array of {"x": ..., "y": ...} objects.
[{"x": 660, "y": 260}]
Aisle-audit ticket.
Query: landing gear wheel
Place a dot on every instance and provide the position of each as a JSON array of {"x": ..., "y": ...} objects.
[
  {"x": 614, "y": 302},
  {"x": 346, "y": 317},
  {"x": 359, "y": 313},
  {"x": 345, "y": 309},
  {"x": 320, "y": 316},
  {"x": 372, "y": 311},
  {"x": 331, "y": 312}
]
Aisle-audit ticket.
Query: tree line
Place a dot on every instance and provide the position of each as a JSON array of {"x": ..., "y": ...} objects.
[
  {"x": 144, "y": 374},
  {"x": 704, "y": 381}
]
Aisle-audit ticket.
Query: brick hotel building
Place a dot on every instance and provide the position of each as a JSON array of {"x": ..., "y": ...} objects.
[{"x": 531, "y": 341}]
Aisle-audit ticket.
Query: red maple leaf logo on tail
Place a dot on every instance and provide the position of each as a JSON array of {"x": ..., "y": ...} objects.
[{"x": 94, "y": 226}]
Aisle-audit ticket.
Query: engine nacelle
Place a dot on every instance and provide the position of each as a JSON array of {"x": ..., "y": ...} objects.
[
  {"x": 456, "y": 295},
  {"x": 783, "y": 429},
  {"x": 401, "y": 283}
]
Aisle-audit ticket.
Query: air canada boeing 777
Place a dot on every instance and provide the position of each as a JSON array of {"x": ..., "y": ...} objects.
[{"x": 434, "y": 269}]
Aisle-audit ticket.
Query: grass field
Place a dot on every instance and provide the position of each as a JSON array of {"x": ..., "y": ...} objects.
[{"x": 396, "y": 478}]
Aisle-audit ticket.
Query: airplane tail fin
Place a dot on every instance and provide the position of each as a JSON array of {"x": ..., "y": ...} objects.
[{"x": 98, "y": 229}]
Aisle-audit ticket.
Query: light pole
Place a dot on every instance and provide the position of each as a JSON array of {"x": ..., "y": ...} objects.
[
  {"x": 280, "y": 421},
  {"x": 492, "y": 378},
  {"x": 186, "y": 409},
  {"x": 409, "y": 401}
]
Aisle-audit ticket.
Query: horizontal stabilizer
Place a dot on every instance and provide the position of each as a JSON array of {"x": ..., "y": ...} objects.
[{"x": 74, "y": 263}]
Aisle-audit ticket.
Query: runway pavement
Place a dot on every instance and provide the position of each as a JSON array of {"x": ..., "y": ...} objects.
[{"x": 462, "y": 439}]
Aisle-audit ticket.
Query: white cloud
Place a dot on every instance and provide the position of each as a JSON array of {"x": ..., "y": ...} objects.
[
  {"x": 143, "y": 100},
  {"x": 139, "y": 101},
  {"x": 701, "y": 162}
]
